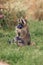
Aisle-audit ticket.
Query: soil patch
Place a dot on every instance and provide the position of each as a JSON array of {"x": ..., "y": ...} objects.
[{"x": 3, "y": 63}]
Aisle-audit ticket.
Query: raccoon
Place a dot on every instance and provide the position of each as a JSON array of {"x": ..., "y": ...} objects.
[{"x": 22, "y": 32}]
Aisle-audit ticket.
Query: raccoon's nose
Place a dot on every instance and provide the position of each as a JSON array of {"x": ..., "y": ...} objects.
[{"x": 18, "y": 34}]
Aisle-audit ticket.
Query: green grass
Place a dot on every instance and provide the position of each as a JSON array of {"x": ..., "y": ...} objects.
[{"x": 27, "y": 55}]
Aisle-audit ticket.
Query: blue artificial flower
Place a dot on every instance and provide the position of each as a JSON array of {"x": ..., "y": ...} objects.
[
  {"x": 20, "y": 40},
  {"x": 17, "y": 38},
  {"x": 20, "y": 26}
]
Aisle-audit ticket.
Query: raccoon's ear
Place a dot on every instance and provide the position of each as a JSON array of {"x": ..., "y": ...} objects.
[{"x": 23, "y": 21}]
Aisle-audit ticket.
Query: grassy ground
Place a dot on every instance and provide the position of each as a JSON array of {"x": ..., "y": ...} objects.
[{"x": 28, "y": 55}]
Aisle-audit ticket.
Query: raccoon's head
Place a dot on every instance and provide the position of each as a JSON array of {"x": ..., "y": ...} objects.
[{"x": 22, "y": 22}]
